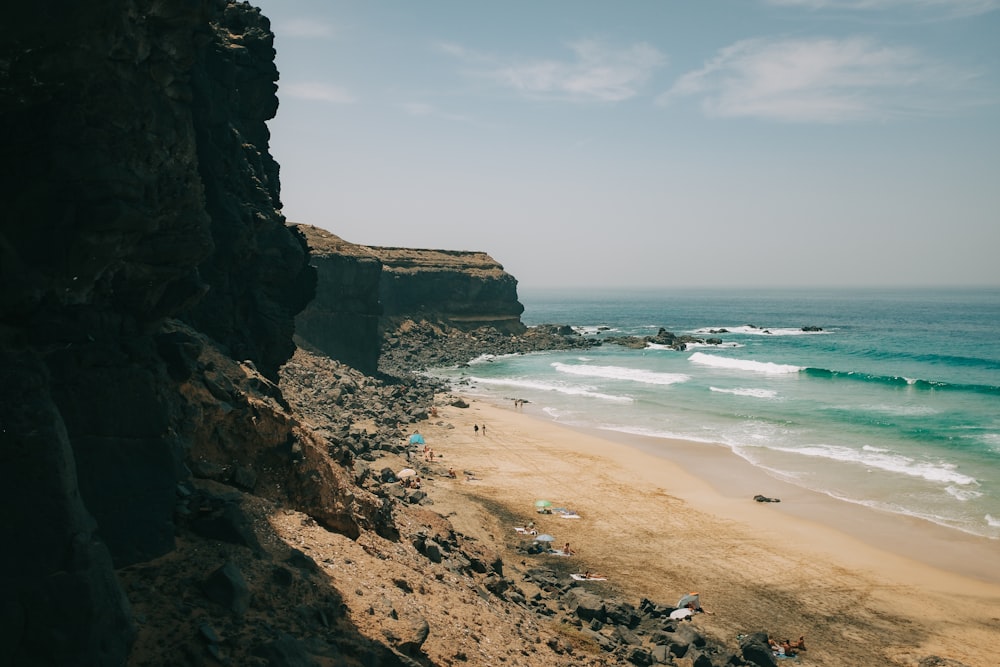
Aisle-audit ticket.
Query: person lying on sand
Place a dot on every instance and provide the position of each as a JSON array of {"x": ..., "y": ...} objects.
[
  {"x": 787, "y": 647},
  {"x": 796, "y": 646}
]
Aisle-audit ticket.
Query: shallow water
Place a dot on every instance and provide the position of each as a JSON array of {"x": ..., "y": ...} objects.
[{"x": 895, "y": 404}]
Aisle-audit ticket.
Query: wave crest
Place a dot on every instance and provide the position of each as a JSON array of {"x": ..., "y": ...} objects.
[
  {"x": 621, "y": 373},
  {"x": 768, "y": 367}
]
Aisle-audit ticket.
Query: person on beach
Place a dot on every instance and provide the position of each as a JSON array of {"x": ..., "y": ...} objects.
[
  {"x": 567, "y": 550},
  {"x": 475, "y": 427},
  {"x": 451, "y": 473},
  {"x": 786, "y": 647},
  {"x": 794, "y": 647},
  {"x": 484, "y": 429}
]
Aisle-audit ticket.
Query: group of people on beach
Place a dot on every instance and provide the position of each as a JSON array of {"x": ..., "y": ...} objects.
[{"x": 787, "y": 647}]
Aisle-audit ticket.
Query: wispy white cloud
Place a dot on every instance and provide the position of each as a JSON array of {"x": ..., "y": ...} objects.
[
  {"x": 941, "y": 8},
  {"x": 822, "y": 81},
  {"x": 317, "y": 91},
  {"x": 595, "y": 72},
  {"x": 304, "y": 28}
]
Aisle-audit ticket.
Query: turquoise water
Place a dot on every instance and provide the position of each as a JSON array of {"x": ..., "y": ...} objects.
[{"x": 895, "y": 404}]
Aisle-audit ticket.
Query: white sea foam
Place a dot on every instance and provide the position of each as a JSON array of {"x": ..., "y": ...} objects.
[
  {"x": 621, "y": 373},
  {"x": 594, "y": 329},
  {"x": 743, "y": 364},
  {"x": 941, "y": 472},
  {"x": 747, "y": 391},
  {"x": 995, "y": 523},
  {"x": 756, "y": 331},
  {"x": 714, "y": 346},
  {"x": 962, "y": 494},
  {"x": 900, "y": 410},
  {"x": 490, "y": 358},
  {"x": 992, "y": 441},
  {"x": 535, "y": 385}
]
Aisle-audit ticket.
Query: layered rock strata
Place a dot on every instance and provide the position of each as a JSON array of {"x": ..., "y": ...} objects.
[
  {"x": 464, "y": 289},
  {"x": 364, "y": 290}
]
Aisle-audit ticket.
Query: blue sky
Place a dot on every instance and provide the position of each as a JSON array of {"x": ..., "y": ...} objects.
[{"x": 653, "y": 143}]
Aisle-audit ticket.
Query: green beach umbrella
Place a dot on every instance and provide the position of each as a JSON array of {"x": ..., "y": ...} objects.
[{"x": 543, "y": 503}]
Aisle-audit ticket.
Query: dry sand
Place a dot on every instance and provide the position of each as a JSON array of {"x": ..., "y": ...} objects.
[{"x": 659, "y": 528}]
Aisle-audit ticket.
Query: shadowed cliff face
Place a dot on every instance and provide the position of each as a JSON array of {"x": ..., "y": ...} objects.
[
  {"x": 364, "y": 289},
  {"x": 137, "y": 187},
  {"x": 258, "y": 273}
]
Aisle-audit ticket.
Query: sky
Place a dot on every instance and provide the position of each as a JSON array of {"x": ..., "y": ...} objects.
[{"x": 670, "y": 143}]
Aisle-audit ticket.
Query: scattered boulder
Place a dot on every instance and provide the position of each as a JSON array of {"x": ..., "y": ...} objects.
[{"x": 227, "y": 587}]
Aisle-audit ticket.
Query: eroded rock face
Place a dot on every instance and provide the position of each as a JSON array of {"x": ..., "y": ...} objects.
[
  {"x": 137, "y": 187},
  {"x": 258, "y": 273},
  {"x": 342, "y": 321},
  {"x": 363, "y": 292},
  {"x": 464, "y": 289}
]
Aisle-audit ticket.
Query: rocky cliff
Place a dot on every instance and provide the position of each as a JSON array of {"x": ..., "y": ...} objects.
[
  {"x": 464, "y": 289},
  {"x": 363, "y": 291},
  {"x": 343, "y": 320},
  {"x": 137, "y": 188}
]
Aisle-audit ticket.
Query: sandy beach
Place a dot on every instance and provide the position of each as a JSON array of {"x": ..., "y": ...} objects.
[{"x": 862, "y": 587}]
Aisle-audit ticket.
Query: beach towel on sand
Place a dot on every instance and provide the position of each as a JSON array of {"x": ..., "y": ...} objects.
[{"x": 580, "y": 577}]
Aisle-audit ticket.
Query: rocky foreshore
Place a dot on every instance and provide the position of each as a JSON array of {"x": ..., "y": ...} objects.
[{"x": 248, "y": 585}]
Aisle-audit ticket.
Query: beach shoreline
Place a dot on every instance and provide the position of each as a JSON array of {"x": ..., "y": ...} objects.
[
  {"x": 841, "y": 574},
  {"x": 735, "y": 479}
]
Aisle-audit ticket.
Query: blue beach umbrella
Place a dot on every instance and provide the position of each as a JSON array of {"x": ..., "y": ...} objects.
[{"x": 416, "y": 439}]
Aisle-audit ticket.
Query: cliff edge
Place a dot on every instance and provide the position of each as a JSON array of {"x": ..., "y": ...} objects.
[{"x": 365, "y": 293}]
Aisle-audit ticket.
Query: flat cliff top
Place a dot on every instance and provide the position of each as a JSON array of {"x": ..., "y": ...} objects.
[
  {"x": 403, "y": 260},
  {"x": 322, "y": 242}
]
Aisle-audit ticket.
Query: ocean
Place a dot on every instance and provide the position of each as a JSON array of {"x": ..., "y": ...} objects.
[{"x": 894, "y": 404}]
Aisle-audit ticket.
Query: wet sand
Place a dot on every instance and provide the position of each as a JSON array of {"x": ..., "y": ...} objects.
[{"x": 865, "y": 588}]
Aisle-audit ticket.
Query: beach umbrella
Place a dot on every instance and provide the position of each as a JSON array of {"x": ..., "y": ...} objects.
[
  {"x": 678, "y": 614},
  {"x": 416, "y": 439},
  {"x": 405, "y": 472},
  {"x": 544, "y": 537},
  {"x": 688, "y": 599},
  {"x": 543, "y": 503}
]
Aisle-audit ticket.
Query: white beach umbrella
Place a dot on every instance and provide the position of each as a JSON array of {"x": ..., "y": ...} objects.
[
  {"x": 406, "y": 472},
  {"x": 688, "y": 599}
]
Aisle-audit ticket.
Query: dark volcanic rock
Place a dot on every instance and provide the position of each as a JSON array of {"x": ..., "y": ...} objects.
[
  {"x": 136, "y": 182},
  {"x": 61, "y": 602},
  {"x": 258, "y": 274},
  {"x": 342, "y": 321},
  {"x": 466, "y": 290}
]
